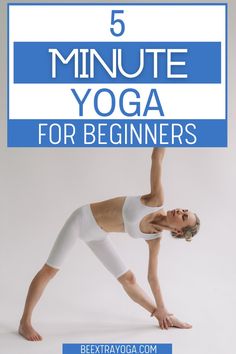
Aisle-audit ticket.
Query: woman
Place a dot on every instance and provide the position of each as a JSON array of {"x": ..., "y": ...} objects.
[{"x": 142, "y": 217}]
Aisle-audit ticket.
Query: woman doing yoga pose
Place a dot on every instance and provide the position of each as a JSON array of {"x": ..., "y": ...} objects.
[{"x": 141, "y": 217}]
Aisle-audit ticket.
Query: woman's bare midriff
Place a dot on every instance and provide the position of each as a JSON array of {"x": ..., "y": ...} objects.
[{"x": 108, "y": 214}]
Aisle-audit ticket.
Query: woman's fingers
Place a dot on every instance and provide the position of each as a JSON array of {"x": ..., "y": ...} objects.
[
  {"x": 166, "y": 323},
  {"x": 170, "y": 323},
  {"x": 161, "y": 324}
]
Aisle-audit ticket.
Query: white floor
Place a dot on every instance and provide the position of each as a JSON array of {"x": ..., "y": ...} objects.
[{"x": 104, "y": 328}]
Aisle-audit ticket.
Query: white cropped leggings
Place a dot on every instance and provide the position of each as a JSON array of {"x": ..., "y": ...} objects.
[{"x": 81, "y": 224}]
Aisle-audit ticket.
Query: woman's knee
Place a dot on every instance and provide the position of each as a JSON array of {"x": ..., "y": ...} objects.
[{"x": 128, "y": 278}]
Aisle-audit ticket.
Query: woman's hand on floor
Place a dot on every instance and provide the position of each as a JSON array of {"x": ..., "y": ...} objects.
[{"x": 164, "y": 318}]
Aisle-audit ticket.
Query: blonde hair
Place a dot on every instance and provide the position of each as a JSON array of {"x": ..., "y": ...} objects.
[{"x": 188, "y": 231}]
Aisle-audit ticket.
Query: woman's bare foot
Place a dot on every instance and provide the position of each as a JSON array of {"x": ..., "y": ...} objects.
[
  {"x": 27, "y": 331},
  {"x": 179, "y": 324}
]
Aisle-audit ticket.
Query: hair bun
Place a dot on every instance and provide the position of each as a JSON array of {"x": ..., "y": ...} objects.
[{"x": 188, "y": 236}]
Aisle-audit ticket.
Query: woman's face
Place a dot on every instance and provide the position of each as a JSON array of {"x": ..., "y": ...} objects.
[{"x": 179, "y": 218}]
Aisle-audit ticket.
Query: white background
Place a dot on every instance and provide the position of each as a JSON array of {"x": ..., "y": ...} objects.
[
  {"x": 86, "y": 23},
  {"x": 40, "y": 187}
]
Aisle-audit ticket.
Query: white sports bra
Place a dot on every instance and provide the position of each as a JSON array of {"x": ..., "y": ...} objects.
[{"x": 133, "y": 212}]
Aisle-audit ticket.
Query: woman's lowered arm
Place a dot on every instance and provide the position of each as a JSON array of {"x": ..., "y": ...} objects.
[{"x": 161, "y": 313}]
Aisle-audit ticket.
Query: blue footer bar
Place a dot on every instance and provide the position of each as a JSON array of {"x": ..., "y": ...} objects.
[{"x": 117, "y": 348}]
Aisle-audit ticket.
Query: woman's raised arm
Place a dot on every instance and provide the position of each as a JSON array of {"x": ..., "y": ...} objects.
[{"x": 157, "y": 193}]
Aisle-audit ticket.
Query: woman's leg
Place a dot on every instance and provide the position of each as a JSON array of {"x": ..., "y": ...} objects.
[
  {"x": 63, "y": 244},
  {"x": 135, "y": 292},
  {"x": 107, "y": 254},
  {"x": 35, "y": 292}
]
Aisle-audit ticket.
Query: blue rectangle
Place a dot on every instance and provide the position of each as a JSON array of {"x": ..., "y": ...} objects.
[
  {"x": 117, "y": 133},
  {"x": 33, "y": 62},
  {"x": 118, "y": 348}
]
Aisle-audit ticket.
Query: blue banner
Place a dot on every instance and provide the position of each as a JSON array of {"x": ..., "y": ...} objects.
[
  {"x": 117, "y": 133},
  {"x": 122, "y": 62},
  {"x": 117, "y": 348}
]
